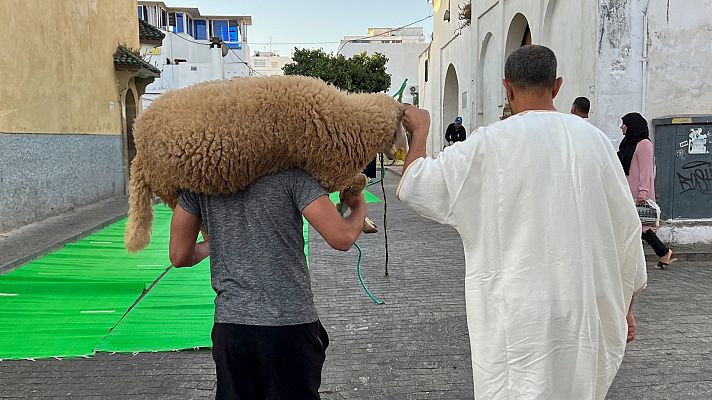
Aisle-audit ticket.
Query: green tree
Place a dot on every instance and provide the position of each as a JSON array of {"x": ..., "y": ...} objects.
[{"x": 360, "y": 73}]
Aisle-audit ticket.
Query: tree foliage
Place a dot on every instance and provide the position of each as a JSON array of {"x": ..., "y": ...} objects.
[{"x": 360, "y": 73}]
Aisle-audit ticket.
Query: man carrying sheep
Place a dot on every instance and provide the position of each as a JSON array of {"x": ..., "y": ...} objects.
[
  {"x": 551, "y": 239},
  {"x": 267, "y": 338}
]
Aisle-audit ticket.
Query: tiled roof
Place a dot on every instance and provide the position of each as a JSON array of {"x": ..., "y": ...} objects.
[
  {"x": 124, "y": 59},
  {"x": 148, "y": 33}
]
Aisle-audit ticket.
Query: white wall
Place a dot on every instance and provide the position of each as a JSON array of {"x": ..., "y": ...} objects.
[
  {"x": 679, "y": 58},
  {"x": 619, "y": 63}
]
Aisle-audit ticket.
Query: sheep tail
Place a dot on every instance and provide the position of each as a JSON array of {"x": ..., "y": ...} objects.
[{"x": 138, "y": 228}]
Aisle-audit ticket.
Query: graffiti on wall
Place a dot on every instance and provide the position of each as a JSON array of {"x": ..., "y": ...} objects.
[{"x": 696, "y": 177}]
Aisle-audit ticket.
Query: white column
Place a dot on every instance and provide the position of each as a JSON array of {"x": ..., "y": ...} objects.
[{"x": 216, "y": 60}]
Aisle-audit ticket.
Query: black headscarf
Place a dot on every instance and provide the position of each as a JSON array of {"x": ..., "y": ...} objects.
[{"x": 637, "y": 131}]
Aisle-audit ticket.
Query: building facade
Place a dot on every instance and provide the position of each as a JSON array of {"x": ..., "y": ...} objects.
[
  {"x": 402, "y": 47},
  {"x": 196, "y": 47},
  {"x": 63, "y": 107},
  {"x": 647, "y": 56},
  {"x": 268, "y": 63}
]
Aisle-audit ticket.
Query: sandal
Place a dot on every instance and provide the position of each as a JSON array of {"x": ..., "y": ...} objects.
[{"x": 663, "y": 264}]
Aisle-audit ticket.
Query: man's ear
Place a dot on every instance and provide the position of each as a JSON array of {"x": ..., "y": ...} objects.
[
  {"x": 557, "y": 86},
  {"x": 509, "y": 90}
]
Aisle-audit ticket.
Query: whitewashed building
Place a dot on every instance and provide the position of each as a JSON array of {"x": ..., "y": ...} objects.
[
  {"x": 647, "y": 56},
  {"x": 187, "y": 54},
  {"x": 268, "y": 63},
  {"x": 402, "y": 47}
]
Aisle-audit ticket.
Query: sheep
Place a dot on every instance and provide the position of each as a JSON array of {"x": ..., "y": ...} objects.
[{"x": 219, "y": 136}]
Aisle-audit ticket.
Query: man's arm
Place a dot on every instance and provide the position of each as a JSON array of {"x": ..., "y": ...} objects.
[
  {"x": 417, "y": 122},
  {"x": 183, "y": 250},
  {"x": 449, "y": 132},
  {"x": 341, "y": 233}
]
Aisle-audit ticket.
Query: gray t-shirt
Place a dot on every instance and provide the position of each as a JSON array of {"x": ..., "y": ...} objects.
[{"x": 257, "y": 261}]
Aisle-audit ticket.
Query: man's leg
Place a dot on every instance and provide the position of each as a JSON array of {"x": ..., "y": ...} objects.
[
  {"x": 236, "y": 367},
  {"x": 291, "y": 358}
]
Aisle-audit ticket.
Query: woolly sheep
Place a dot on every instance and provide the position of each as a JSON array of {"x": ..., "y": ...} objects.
[{"x": 218, "y": 137}]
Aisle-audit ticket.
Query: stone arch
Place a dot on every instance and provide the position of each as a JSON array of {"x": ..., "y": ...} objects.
[
  {"x": 518, "y": 35},
  {"x": 451, "y": 103},
  {"x": 488, "y": 82}
]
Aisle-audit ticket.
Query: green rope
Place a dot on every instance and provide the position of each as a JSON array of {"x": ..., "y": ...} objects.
[{"x": 360, "y": 278}]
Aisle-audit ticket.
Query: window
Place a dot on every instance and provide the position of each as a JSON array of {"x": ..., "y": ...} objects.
[
  {"x": 189, "y": 24},
  {"x": 426, "y": 70},
  {"x": 228, "y": 31},
  {"x": 220, "y": 29},
  {"x": 260, "y": 63},
  {"x": 233, "y": 31},
  {"x": 201, "y": 32},
  {"x": 164, "y": 18},
  {"x": 142, "y": 13},
  {"x": 178, "y": 28}
]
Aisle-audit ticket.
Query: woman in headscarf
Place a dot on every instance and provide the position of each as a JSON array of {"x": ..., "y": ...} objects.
[{"x": 636, "y": 155}]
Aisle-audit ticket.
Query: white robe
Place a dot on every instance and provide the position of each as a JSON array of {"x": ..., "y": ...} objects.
[{"x": 553, "y": 252}]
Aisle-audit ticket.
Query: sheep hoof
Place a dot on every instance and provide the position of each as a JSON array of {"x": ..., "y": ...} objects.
[{"x": 369, "y": 226}]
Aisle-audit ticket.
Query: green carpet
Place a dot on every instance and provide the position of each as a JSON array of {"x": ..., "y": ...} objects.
[
  {"x": 65, "y": 303},
  {"x": 178, "y": 312}
]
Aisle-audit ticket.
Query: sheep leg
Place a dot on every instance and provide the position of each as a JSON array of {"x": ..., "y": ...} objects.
[{"x": 358, "y": 185}]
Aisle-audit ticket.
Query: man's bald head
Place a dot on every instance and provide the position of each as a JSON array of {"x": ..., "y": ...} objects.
[{"x": 531, "y": 67}]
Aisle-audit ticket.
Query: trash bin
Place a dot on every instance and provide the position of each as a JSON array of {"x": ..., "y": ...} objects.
[{"x": 683, "y": 160}]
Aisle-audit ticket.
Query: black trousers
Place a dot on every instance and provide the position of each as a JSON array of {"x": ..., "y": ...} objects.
[
  {"x": 658, "y": 247},
  {"x": 269, "y": 362}
]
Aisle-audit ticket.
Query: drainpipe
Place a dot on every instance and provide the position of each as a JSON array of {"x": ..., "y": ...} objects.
[
  {"x": 644, "y": 61},
  {"x": 216, "y": 58}
]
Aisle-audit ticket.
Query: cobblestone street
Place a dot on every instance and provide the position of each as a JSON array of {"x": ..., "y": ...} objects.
[{"x": 415, "y": 346}]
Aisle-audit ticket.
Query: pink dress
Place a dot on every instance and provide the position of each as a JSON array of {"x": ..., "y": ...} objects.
[{"x": 641, "y": 179}]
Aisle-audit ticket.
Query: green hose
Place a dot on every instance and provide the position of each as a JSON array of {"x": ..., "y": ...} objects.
[{"x": 360, "y": 278}]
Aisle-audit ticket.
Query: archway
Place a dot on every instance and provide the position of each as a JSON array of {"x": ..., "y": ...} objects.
[
  {"x": 130, "y": 110},
  {"x": 519, "y": 34},
  {"x": 489, "y": 82},
  {"x": 451, "y": 105}
]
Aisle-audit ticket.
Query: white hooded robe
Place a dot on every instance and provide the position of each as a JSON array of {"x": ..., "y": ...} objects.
[{"x": 553, "y": 252}]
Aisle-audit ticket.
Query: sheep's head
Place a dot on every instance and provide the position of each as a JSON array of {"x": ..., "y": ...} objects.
[{"x": 400, "y": 140}]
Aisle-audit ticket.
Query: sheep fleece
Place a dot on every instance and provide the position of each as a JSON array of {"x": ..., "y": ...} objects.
[{"x": 218, "y": 137}]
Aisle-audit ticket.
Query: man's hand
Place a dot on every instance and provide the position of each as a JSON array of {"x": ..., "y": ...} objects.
[
  {"x": 416, "y": 121},
  {"x": 354, "y": 200},
  {"x": 641, "y": 198},
  {"x": 630, "y": 319}
]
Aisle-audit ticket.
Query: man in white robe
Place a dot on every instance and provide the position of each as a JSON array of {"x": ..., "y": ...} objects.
[{"x": 551, "y": 237}]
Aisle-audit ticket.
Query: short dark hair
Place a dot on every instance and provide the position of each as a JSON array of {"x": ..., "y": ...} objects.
[
  {"x": 531, "y": 67},
  {"x": 582, "y": 104}
]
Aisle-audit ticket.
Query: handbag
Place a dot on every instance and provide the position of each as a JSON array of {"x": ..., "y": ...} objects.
[{"x": 649, "y": 212}]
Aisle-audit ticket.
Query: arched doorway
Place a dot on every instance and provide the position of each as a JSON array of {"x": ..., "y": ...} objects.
[
  {"x": 130, "y": 110},
  {"x": 451, "y": 105},
  {"x": 489, "y": 82},
  {"x": 519, "y": 34}
]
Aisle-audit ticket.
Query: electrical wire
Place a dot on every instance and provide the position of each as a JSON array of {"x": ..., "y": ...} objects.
[{"x": 229, "y": 48}]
